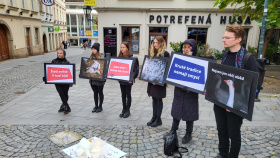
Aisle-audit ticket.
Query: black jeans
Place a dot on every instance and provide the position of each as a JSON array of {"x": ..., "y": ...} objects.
[
  {"x": 62, "y": 90},
  {"x": 98, "y": 90},
  {"x": 189, "y": 125},
  {"x": 157, "y": 107},
  {"x": 228, "y": 125},
  {"x": 126, "y": 96}
]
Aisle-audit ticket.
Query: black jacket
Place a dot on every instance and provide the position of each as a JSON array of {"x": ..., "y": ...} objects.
[
  {"x": 185, "y": 103},
  {"x": 60, "y": 61},
  {"x": 157, "y": 91}
]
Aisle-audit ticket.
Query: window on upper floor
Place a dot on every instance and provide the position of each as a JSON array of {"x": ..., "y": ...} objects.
[
  {"x": 32, "y": 4},
  {"x": 11, "y": 3},
  {"x": 23, "y": 5},
  {"x": 40, "y": 6}
]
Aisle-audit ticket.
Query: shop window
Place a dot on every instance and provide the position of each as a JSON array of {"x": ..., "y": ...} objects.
[
  {"x": 199, "y": 34},
  {"x": 74, "y": 42},
  {"x": 157, "y": 31},
  {"x": 244, "y": 40},
  {"x": 73, "y": 18},
  {"x": 131, "y": 35},
  {"x": 37, "y": 36},
  {"x": 68, "y": 24},
  {"x": 81, "y": 22}
]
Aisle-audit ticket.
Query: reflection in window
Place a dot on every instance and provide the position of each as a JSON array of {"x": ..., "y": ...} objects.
[
  {"x": 131, "y": 35},
  {"x": 199, "y": 34},
  {"x": 73, "y": 24}
]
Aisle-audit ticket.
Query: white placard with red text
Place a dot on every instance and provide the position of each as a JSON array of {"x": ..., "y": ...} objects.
[
  {"x": 120, "y": 69},
  {"x": 60, "y": 73}
]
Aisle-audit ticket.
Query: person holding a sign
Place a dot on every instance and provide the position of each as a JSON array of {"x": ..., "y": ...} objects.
[
  {"x": 126, "y": 86},
  {"x": 96, "y": 86},
  {"x": 156, "y": 91},
  {"x": 185, "y": 102},
  {"x": 229, "y": 123},
  {"x": 62, "y": 89}
]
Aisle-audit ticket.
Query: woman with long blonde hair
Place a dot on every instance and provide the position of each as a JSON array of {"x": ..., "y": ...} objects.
[{"x": 156, "y": 91}]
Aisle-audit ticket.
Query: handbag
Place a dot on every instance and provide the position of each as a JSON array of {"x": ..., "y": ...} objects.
[{"x": 171, "y": 145}]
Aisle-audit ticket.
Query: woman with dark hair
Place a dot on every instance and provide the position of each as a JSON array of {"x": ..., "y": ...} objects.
[
  {"x": 62, "y": 89},
  {"x": 156, "y": 91},
  {"x": 185, "y": 102},
  {"x": 96, "y": 86},
  {"x": 126, "y": 86}
]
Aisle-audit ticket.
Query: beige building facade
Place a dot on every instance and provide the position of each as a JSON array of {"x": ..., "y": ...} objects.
[
  {"x": 139, "y": 21},
  {"x": 60, "y": 28},
  {"x": 19, "y": 29}
]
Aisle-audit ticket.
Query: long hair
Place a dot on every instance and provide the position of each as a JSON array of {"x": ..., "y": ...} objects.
[
  {"x": 161, "y": 47},
  {"x": 127, "y": 54},
  {"x": 97, "y": 55}
]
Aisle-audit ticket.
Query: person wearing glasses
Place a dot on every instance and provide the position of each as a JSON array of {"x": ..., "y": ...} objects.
[{"x": 228, "y": 123}]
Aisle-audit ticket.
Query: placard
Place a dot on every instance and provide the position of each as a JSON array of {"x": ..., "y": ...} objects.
[
  {"x": 232, "y": 88},
  {"x": 110, "y": 41},
  {"x": 59, "y": 73},
  {"x": 153, "y": 69},
  {"x": 187, "y": 71},
  {"x": 94, "y": 69},
  {"x": 121, "y": 69}
]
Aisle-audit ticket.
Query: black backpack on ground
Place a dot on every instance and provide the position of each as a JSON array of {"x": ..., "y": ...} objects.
[{"x": 171, "y": 145}]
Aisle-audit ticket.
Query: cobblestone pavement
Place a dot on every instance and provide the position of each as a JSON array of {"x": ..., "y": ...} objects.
[
  {"x": 26, "y": 118},
  {"x": 136, "y": 141}
]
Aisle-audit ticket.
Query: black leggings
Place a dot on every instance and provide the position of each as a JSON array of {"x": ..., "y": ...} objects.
[
  {"x": 189, "y": 125},
  {"x": 157, "y": 107},
  {"x": 98, "y": 90},
  {"x": 62, "y": 90},
  {"x": 126, "y": 95}
]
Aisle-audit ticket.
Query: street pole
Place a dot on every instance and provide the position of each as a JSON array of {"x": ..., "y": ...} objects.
[{"x": 263, "y": 29}]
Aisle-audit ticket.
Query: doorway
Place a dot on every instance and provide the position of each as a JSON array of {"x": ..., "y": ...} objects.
[
  {"x": 45, "y": 44},
  {"x": 27, "y": 40},
  {"x": 4, "y": 47}
]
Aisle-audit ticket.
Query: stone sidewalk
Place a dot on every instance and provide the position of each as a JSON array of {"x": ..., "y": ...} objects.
[{"x": 24, "y": 121}]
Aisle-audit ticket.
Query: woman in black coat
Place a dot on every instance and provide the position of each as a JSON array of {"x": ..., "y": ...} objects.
[
  {"x": 97, "y": 86},
  {"x": 156, "y": 91},
  {"x": 62, "y": 89},
  {"x": 126, "y": 86},
  {"x": 185, "y": 103}
]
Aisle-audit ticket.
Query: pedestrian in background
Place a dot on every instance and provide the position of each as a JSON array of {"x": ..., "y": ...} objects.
[
  {"x": 156, "y": 91},
  {"x": 62, "y": 89},
  {"x": 185, "y": 102},
  {"x": 97, "y": 86},
  {"x": 228, "y": 123},
  {"x": 126, "y": 86}
]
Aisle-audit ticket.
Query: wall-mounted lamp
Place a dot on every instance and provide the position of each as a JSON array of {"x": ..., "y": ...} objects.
[
  {"x": 31, "y": 15},
  {"x": 20, "y": 13},
  {"x": 8, "y": 11}
]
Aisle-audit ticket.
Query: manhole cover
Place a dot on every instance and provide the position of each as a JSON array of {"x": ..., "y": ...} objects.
[{"x": 19, "y": 92}]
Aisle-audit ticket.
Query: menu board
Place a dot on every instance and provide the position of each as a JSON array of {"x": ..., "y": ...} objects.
[{"x": 110, "y": 40}]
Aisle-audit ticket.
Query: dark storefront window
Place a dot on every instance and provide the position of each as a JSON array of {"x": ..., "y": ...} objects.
[
  {"x": 74, "y": 42},
  {"x": 199, "y": 34},
  {"x": 157, "y": 31},
  {"x": 73, "y": 24},
  {"x": 244, "y": 40},
  {"x": 131, "y": 35}
]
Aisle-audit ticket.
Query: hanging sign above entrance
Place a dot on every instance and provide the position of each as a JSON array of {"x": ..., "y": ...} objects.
[{"x": 48, "y": 2}]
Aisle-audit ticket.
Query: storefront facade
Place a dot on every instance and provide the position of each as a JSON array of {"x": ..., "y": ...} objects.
[{"x": 140, "y": 25}]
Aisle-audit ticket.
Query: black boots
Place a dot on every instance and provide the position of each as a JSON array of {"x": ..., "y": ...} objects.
[
  {"x": 122, "y": 113},
  {"x": 61, "y": 109},
  {"x": 94, "y": 109},
  {"x": 157, "y": 122},
  {"x": 99, "y": 109},
  {"x": 151, "y": 121},
  {"x": 127, "y": 113},
  {"x": 187, "y": 138},
  {"x": 67, "y": 109}
]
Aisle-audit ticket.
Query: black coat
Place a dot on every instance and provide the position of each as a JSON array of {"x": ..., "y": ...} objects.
[
  {"x": 60, "y": 61},
  {"x": 157, "y": 91},
  {"x": 185, "y": 105}
]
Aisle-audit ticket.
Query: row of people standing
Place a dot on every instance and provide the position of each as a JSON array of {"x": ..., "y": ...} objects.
[{"x": 185, "y": 103}]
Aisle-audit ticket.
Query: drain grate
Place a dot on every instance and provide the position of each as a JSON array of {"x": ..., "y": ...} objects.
[{"x": 22, "y": 92}]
